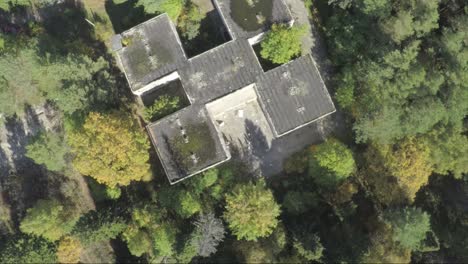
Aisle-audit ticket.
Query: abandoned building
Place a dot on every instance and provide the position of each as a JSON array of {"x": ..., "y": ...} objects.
[{"x": 227, "y": 89}]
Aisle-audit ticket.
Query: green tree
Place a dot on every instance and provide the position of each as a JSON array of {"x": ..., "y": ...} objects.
[
  {"x": 97, "y": 226},
  {"x": 27, "y": 78},
  {"x": 409, "y": 226},
  {"x": 50, "y": 150},
  {"x": 282, "y": 43},
  {"x": 164, "y": 240},
  {"x": 19, "y": 81},
  {"x": 414, "y": 17},
  {"x": 190, "y": 20},
  {"x": 172, "y": 7},
  {"x": 311, "y": 249},
  {"x": 251, "y": 211},
  {"x": 200, "y": 183},
  {"x": 138, "y": 241},
  {"x": 162, "y": 106},
  {"x": 331, "y": 162},
  {"x": 296, "y": 202},
  {"x": 448, "y": 151},
  {"x": 382, "y": 248},
  {"x": 138, "y": 233},
  {"x": 111, "y": 148},
  {"x": 187, "y": 204},
  {"x": 27, "y": 249},
  {"x": 49, "y": 219}
]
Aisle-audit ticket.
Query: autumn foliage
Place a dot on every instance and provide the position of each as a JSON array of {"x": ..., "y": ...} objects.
[{"x": 111, "y": 149}]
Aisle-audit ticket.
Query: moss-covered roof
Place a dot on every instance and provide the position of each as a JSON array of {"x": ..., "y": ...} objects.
[
  {"x": 150, "y": 50},
  {"x": 187, "y": 143},
  {"x": 248, "y": 18}
]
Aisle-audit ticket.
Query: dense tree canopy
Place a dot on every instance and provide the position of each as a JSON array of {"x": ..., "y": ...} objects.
[
  {"x": 397, "y": 70},
  {"x": 251, "y": 211},
  {"x": 28, "y": 249},
  {"x": 69, "y": 250},
  {"x": 111, "y": 149},
  {"x": 28, "y": 78},
  {"x": 98, "y": 226}
]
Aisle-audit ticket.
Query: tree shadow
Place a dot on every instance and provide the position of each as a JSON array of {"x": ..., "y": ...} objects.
[
  {"x": 26, "y": 182},
  {"x": 126, "y": 15},
  {"x": 212, "y": 33},
  {"x": 256, "y": 139}
]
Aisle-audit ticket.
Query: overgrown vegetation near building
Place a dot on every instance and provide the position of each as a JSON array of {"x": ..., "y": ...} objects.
[{"x": 394, "y": 189}]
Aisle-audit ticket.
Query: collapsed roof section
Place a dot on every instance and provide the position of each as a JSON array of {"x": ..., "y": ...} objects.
[
  {"x": 187, "y": 143},
  {"x": 150, "y": 51}
]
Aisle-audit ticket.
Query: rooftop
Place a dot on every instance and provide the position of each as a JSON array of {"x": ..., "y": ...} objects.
[
  {"x": 248, "y": 18},
  {"x": 187, "y": 143},
  {"x": 149, "y": 51},
  {"x": 294, "y": 95},
  {"x": 220, "y": 71},
  {"x": 230, "y": 96}
]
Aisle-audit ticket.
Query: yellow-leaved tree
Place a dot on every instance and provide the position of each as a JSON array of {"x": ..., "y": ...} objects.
[
  {"x": 111, "y": 148},
  {"x": 409, "y": 162},
  {"x": 69, "y": 250}
]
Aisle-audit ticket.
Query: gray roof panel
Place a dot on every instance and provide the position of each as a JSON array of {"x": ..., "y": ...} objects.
[
  {"x": 242, "y": 19},
  {"x": 293, "y": 95},
  {"x": 220, "y": 71},
  {"x": 154, "y": 50},
  {"x": 187, "y": 143}
]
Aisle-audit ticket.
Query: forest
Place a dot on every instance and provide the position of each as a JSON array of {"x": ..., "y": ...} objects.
[{"x": 80, "y": 181}]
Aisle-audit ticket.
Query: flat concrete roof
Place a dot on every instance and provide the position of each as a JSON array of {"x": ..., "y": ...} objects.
[
  {"x": 187, "y": 143},
  {"x": 152, "y": 50},
  {"x": 248, "y": 18},
  {"x": 220, "y": 71},
  {"x": 294, "y": 95}
]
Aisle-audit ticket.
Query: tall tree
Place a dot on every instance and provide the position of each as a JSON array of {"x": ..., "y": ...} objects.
[
  {"x": 50, "y": 150},
  {"x": 28, "y": 78},
  {"x": 111, "y": 149},
  {"x": 69, "y": 250},
  {"x": 28, "y": 249},
  {"x": 251, "y": 211},
  {"x": 409, "y": 162},
  {"x": 331, "y": 162},
  {"x": 209, "y": 232},
  {"x": 98, "y": 226},
  {"x": 409, "y": 226},
  {"x": 49, "y": 219}
]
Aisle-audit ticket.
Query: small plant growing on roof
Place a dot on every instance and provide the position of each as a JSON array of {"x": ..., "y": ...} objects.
[
  {"x": 162, "y": 106},
  {"x": 127, "y": 41},
  {"x": 282, "y": 43}
]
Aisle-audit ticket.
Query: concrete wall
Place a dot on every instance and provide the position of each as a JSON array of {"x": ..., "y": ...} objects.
[{"x": 232, "y": 100}]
